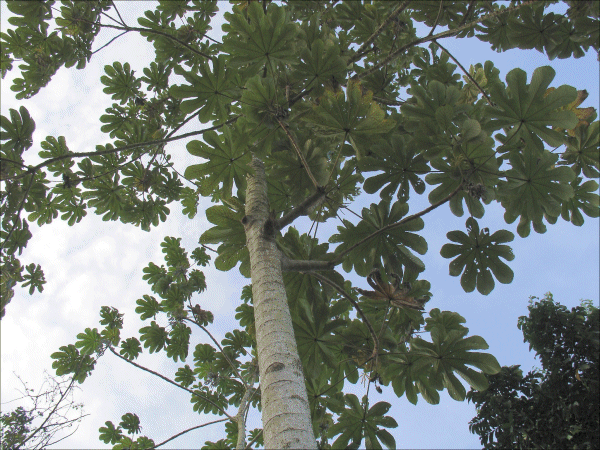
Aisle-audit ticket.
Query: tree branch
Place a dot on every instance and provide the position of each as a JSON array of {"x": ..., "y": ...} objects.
[
  {"x": 300, "y": 155},
  {"x": 188, "y": 430},
  {"x": 173, "y": 383},
  {"x": 303, "y": 209},
  {"x": 341, "y": 256},
  {"x": 303, "y": 265},
  {"x": 119, "y": 149},
  {"x": 468, "y": 75}
]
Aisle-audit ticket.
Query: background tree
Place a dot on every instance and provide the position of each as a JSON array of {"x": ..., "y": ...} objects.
[
  {"x": 47, "y": 414},
  {"x": 557, "y": 406},
  {"x": 289, "y": 109}
]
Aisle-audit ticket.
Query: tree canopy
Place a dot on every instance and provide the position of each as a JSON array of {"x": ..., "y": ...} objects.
[
  {"x": 304, "y": 108},
  {"x": 557, "y": 406}
]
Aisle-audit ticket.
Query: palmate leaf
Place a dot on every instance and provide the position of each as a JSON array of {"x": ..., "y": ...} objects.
[
  {"x": 582, "y": 150},
  {"x": 535, "y": 188},
  {"x": 584, "y": 199},
  {"x": 212, "y": 90},
  {"x": 476, "y": 254},
  {"x": 354, "y": 115},
  {"x": 229, "y": 232},
  {"x": 286, "y": 166},
  {"x": 315, "y": 337},
  {"x": 528, "y": 111},
  {"x": 389, "y": 249},
  {"x": 451, "y": 352},
  {"x": 120, "y": 81},
  {"x": 154, "y": 337},
  {"x": 227, "y": 163},
  {"x": 355, "y": 423},
  {"x": 322, "y": 62},
  {"x": 401, "y": 166},
  {"x": 475, "y": 164},
  {"x": 259, "y": 39},
  {"x": 345, "y": 187},
  {"x": 17, "y": 131}
]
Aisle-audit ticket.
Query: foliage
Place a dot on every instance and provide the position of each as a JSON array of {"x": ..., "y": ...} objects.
[
  {"x": 312, "y": 90},
  {"x": 557, "y": 406}
]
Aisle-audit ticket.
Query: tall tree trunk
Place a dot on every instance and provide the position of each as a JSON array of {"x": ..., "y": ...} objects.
[{"x": 285, "y": 409}]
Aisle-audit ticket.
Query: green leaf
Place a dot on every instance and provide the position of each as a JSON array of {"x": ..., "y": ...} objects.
[
  {"x": 401, "y": 166},
  {"x": 212, "y": 90},
  {"x": 109, "y": 434},
  {"x": 478, "y": 253},
  {"x": 535, "y": 188},
  {"x": 120, "y": 82},
  {"x": 529, "y": 111},
  {"x": 322, "y": 62},
  {"x": 389, "y": 249},
  {"x": 227, "y": 162},
  {"x": 260, "y": 39},
  {"x": 130, "y": 348},
  {"x": 17, "y": 132},
  {"x": 584, "y": 200},
  {"x": 131, "y": 423},
  {"x": 582, "y": 151},
  {"x": 354, "y": 116},
  {"x": 154, "y": 337},
  {"x": 229, "y": 232}
]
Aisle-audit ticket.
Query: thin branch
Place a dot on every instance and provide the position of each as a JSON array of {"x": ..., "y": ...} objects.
[
  {"x": 188, "y": 430},
  {"x": 470, "y": 9},
  {"x": 244, "y": 405},
  {"x": 466, "y": 72},
  {"x": 341, "y": 256},
  {"x": 303, "y": 209},
  {"x": 303, "y": 265},
  {"x": 51, "y": 412},
  {"x": 347, "y": 296},
  {"x": 119, "y": 149},
  {"x": 437, "y": 19},
  {"x": 388, "y": 102},
  {"x": 173, "y": 383},
  {"x": 118, "y": 13},
  {"x": 441, "y": 35},
  {"x": 378, "y": 31},
  {"x": 109, "y": 42},
  {"x": 300, "y": 155},
  {"x": 152, "y": 31}
]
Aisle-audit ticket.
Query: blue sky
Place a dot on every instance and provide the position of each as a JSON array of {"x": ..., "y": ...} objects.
[{"x": 99, "y": 263}]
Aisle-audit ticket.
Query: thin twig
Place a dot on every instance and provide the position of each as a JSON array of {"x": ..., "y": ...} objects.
[
  {"x": 190, "y": 429},
  {"x": 466, "y": 73},
  {"x": 299, "y": 152}
]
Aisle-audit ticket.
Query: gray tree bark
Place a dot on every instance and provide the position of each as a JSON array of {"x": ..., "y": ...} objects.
[{"x": 285, "y": 409}]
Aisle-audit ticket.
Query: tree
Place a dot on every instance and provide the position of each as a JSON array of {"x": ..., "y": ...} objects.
[
  {"x": 303, "y": 120},
  {"x": 37, "y": 425},
  {"x": 556, "y": 407}
]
